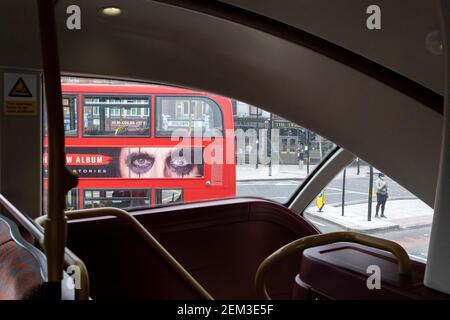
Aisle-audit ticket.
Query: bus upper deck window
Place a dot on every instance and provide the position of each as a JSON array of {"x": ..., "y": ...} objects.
[
  {"x": 115, "y": 116},
  {"x": 70, "y": 115},
  {"x": 197, "y": 116},
  {"x": 70, "y": 106}
]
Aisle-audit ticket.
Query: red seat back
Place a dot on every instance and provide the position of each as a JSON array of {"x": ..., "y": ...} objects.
[{"x": 22, "y": 266}]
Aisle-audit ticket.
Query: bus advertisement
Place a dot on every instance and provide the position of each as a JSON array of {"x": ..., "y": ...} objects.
[{"x": 146, "y": 145}]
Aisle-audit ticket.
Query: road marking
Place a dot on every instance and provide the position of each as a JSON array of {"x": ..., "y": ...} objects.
[
  {"x": 348, "y": 191},
  {"x": 315, "y": 222},
  {"x": 284, "y": 184},
  {"x": 258, "y": 183}
]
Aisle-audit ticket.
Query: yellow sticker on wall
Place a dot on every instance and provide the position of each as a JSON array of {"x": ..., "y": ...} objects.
[{"x": 19, "y": 94}]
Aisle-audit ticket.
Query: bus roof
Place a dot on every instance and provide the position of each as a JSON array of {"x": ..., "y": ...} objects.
[{"x": 129, "y": 88}]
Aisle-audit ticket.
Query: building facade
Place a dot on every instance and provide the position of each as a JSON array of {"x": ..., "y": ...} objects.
[{"x": 295, "y": 142}]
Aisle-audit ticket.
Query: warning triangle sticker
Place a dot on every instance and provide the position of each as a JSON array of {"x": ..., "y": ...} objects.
[{"x": 20, "y": 89}]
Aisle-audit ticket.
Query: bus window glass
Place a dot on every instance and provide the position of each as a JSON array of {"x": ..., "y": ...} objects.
[
  {"x": 167, "y": 196},
  {"x": 70, "y": 115},
  {"x": 116, "y": 116},
  {"x": 72, "y": 200},
  {"x": 230, "y": 149},
  {"x": 363, "y": 199},
  {"x": 119, "y": 198},
  {"x": 70, "y": 106},
  {"x": 196, "y": 116}
]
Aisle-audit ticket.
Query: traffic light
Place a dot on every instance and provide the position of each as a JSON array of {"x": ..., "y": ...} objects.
[{"x": 301, "y": 135}]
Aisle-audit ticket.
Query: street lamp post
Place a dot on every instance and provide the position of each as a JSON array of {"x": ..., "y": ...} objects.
[
  {"x": 369, "y": 210},
  {"x": 343, "y": 192},
  {"x": 269, "y": 141},
  {"x": 307, "y": 151},
  {"x": 257, "y": 137}
]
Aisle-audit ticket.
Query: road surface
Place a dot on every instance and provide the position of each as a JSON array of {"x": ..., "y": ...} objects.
[{"x": 356, "y": 189}]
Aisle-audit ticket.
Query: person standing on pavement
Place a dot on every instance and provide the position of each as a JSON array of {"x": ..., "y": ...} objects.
[
  {"x": 382, "y": 194},
  {"x": 300, "y": 156}
]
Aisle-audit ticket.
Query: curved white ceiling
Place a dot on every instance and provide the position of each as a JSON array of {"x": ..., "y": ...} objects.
[
  {"x": 158, "y": 42},
  {"x": 400, "y": 44}
]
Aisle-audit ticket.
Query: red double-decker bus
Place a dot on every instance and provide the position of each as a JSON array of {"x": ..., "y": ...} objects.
[{"x": 146, "y": 145}]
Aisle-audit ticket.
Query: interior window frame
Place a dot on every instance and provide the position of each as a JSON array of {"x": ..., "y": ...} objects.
[{"x": 309, "y": 177}]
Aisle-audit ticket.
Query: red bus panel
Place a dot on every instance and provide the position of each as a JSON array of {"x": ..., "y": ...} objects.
[{"x": 146, "y": 145}]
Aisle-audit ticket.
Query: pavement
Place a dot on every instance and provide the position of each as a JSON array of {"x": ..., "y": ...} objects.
[
  {"x": 279, "y": 172},
  {"x": 404, "y": 210},
  {"x": 401, "y": 214}
]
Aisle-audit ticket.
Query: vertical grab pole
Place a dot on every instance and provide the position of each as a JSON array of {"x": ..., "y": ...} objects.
[
  {"x": 436, "y": 272},
  {"x": 60, "y": 179}
]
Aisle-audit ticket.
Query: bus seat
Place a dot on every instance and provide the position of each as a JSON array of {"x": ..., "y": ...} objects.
[
  {"x": 220, "y": 242},
  {"x": 340, "y": 271},
  {"x": 22, "y": 266}
]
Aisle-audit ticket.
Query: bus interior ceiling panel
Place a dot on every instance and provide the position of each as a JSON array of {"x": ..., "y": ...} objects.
[
  {"x": 200, "y": 241},
  {"x": 20, "y": 31},
  {"x": 340, "y": 23},
  {"x": 162, "y": 43}
]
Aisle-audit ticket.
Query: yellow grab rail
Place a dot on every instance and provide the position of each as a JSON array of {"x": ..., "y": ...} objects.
[{"x": 404, "y": 263}]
